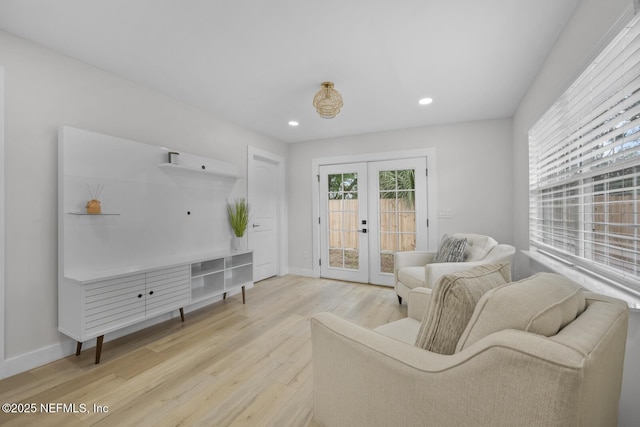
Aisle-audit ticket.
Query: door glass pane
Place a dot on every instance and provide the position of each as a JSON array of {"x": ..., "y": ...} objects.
[
  {"x": 349, "y": 182},
  {"x": 343, "y": 206},
  {"x": 407, "y": 242},
  {"x": 350, "y": 220},
  {"x": 406, "y": 200},
  {"x": 336, "y": 259},
  {"x": 334, "y": 195},
  {"x": 388, "y": 181},
  {"x": 406, "y": 179},
  {"x": 388, "y": 247},
  {"x": 388, "y": 221},
  {"x": 335, "y": 221},
  {"x": 335, "y": 239},
  {"x": 397, "y": 215}
]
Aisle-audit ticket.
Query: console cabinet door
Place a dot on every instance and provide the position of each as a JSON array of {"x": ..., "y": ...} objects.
[
  {"x": 167, "y": 289},
  {"x": 113, "y": 303}
]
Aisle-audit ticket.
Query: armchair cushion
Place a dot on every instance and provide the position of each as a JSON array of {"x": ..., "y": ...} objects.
[
  {"x": 541, "y": 304},
  {"x": 453, "y": 301},
  {"x": 412, "y": 276},
  {"x": 452, "y": 249}
]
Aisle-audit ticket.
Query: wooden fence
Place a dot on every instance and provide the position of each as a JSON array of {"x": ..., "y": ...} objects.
[{"x": 397, "y": 225}]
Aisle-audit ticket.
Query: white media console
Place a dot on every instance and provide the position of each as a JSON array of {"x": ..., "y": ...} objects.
[
  {"x": 92, "y": 304},
  {"x": 160, "y": 243}
]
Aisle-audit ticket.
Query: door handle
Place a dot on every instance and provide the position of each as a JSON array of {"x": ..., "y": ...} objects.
[
  {"x": 254, "y": 225},
  {"x": 363, "y": 231}
]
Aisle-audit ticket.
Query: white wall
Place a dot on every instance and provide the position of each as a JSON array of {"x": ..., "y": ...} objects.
[
  {"x": 473, "y": 177},
  {"x": 575, "y": 48},
  {"x": 44, "y": 90}
]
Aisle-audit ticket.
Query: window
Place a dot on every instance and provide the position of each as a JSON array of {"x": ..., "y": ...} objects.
[{"x": 584, "y": 167}]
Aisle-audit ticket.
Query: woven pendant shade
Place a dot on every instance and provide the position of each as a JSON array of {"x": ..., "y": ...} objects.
[{"x": 327, "y": 101}]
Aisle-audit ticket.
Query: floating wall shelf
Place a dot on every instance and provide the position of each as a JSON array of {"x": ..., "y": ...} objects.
[
  {"x": 196, "y": 170},
  {"x": 88, "y": 214}
]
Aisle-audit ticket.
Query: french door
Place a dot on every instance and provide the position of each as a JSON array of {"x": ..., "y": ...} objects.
[
  {"x": 369, "y": 211},
  {"x": 343, "y": 222}
]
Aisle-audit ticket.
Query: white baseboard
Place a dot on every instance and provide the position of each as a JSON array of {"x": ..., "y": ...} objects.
[
  {"x": 303, "y": 272},
  {"x": 67, "y": 346},
  {"x": 39, "y": 357}
]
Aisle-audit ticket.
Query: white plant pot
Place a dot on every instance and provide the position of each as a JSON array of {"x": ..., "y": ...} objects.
[{"x": 237, "y": 243}]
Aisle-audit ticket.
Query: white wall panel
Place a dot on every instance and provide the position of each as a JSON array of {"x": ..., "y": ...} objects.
[{"x": 148, "y": 212}]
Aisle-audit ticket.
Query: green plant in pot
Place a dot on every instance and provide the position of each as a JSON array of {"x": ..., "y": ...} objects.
[{"x": 238, "y": 213}]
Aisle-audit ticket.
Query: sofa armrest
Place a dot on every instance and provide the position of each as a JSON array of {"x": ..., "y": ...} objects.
[
  {"x": 418, "y": 302},
  {"x": 433, "y": 272},
  {"x": 359, "y": 374},
  {"x": 499, "y": 254}
]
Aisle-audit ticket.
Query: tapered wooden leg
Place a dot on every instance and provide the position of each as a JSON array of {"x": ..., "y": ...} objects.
[
  {"x": 243, "y": 294},
  {"x": 182, "y": 314},
  {"x": 399, "y": 300},
  {"x": 224, "y": 296},
  {"x": 99, "y": 348},
  {"x": 78, "y": 348}
]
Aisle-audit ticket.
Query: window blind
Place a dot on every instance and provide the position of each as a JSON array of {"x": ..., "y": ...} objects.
[{"x": 584, "y": 166}]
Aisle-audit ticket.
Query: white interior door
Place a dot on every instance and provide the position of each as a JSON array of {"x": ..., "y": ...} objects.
[
  {"x": 343, "y": 215},
  {"x": 263, "y": 195}
]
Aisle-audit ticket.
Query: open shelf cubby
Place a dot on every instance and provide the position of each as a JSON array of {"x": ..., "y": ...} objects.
[
  {"x": 207, "y": 267},
  {"x": 215, "y": 276},
  {"x": 239, "y": 259}
]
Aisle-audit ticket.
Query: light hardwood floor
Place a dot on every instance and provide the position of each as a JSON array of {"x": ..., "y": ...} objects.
[{"x": 229, "y": 364}]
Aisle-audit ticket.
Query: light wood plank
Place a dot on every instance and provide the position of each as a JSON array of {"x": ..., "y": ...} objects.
[{"x": 228, "y": 364}]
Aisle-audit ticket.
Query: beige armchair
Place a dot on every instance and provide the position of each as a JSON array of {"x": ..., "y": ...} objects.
[
  {"x": 416, "y": 269},
  {"x": 505, "y": 372}
]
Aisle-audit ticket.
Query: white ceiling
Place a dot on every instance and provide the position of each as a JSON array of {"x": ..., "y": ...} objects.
[{"x": 258, "y": 63}]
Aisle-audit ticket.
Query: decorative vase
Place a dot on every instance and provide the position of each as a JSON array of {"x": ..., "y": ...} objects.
[
  {"x": 237, "y": 243},
  {"x": 93, "y": 207}
]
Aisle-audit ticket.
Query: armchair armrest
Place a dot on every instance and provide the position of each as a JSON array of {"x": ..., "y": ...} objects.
[
  {"x": 412, "y": 258},
  {"x": 418, "y": 302},
  {"x": 500, "y": 253}
]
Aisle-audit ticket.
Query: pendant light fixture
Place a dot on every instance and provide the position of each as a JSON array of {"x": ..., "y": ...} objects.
[{"x": 327, "y": 101}]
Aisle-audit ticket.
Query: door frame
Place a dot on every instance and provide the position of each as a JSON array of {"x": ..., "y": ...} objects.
[
  {"x": 432, "y": 191},
  {"x": 3, "y": 310},
  {"x": 281, "y": 205}
]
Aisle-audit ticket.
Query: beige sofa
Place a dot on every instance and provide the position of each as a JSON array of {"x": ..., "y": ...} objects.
[
  {"x": 502, "y": 374},
  {"x": 416, "y": 269}
]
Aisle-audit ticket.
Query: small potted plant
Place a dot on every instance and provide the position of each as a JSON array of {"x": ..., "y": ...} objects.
[{"x": 238, "y": 212}]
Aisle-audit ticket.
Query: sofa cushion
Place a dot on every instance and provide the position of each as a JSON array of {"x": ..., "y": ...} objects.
[
  {"x": 451, "y": 249},
  {"x": 478, "y": 245},
  {"x": 452, "y": 303},
  {"x": 404, "y": 330},
  {"x": 541, "y": 304},
  {"x": 412, "y": 277}
]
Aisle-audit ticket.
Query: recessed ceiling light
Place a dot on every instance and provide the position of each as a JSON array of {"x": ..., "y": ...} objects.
[
  {"x": 425, "y": 101},
  {"x": 293, "y": 123}
]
